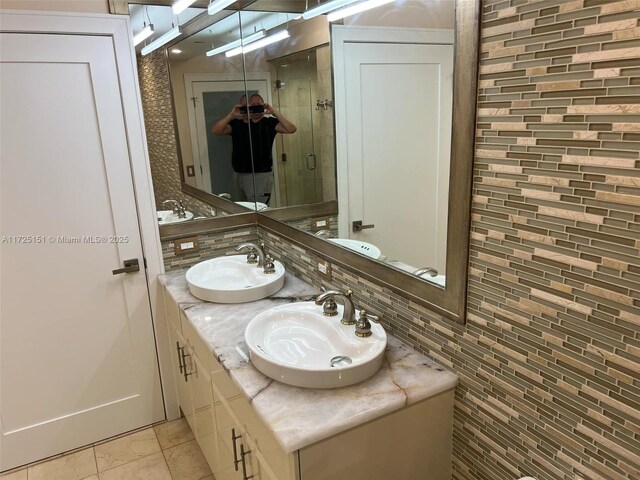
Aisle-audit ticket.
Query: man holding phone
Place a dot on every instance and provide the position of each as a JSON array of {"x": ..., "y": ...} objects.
[{"x": 253, "y": 126}]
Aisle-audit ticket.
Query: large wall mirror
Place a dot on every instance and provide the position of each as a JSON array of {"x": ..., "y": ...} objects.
[{"x": 383, "y": 105}]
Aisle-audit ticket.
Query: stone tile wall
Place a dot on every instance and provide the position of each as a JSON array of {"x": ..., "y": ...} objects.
[
  {"x": 211, "y": 245},
  {"x": 161, "y": 137},
  {"x": 549, "y": 359}
]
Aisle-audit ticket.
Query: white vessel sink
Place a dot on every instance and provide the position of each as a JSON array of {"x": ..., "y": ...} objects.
[
  {"x": 296, "y": 344},
  {"x": 364, "y": 248},
  {"x": 253, "y": 206},
  {"x": 166, "y": 217},
  {"x": 438, "y": 279},
  {"x": 232, "y": 280}
]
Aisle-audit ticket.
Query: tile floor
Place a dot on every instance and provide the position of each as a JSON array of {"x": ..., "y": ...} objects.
[{"x": 164, "y": 452}]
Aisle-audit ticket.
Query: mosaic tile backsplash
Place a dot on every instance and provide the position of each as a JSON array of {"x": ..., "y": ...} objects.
[{"x": 549, "y": 359}]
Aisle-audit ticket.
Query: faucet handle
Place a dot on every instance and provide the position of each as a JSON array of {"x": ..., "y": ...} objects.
[
  {"x": 363, "y": 325},
  {"x": 369, "y": 316},
  {"x": 269, "y": 266}
]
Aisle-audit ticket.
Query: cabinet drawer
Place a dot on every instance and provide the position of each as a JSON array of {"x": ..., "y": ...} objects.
[
  {"x": 203, "y": 352},
  {"x": 224, "y": 426}
]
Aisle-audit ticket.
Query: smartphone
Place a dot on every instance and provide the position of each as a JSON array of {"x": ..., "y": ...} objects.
[
  {"x": 243, "y": 109},
  {"x": 256, "y": 108}
]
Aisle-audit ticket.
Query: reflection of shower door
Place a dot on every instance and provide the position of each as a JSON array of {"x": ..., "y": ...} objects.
[
  {"x": 297, "y": 154},
  {"x": 209, "y": 100}
]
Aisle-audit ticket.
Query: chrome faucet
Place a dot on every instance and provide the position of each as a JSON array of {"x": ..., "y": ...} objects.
[
  {"x": 225, "y": 195},
  {"x": 348, "y": 316},
  {"x": 256, "y": 254},
  {"x": 323, "y": 233},
  {"x": 430, "y": 270},
  {"x": 178, "y": 208}
]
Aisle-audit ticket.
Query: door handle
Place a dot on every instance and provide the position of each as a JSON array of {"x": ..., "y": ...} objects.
[
  {"x": 357, "y": 226},
  {"x": 130, "y": 266},
  {"x": 311, "y": 166}
]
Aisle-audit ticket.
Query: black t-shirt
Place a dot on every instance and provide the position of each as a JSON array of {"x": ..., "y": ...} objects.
[{"x": 262, "y": 134}]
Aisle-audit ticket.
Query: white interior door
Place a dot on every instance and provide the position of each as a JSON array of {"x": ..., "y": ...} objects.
[
  {"x": 396, "y": 147},
  {"x": 77, "y": 354}
]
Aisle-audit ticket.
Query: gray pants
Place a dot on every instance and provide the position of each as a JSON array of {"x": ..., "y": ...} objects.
[{"x": 263, "y": 182}]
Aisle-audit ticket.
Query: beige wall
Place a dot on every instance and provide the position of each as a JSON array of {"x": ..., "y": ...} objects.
[
  {"x": 87, "y": 6},
  {"x": 408, "y": 14},
  {"x": 219, "y": 64}
]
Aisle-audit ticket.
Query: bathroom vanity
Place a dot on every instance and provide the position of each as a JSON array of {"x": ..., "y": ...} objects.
[{"x": 397, "y": 424}]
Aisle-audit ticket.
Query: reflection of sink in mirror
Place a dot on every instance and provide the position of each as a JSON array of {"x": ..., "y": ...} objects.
[
  {"x": 232, "y": 280},
  {"x": 364, "y": 248},
  {"x": 253, "y": 206},
  {"x": 165, "y": 217},
  {"x": 438, "y": 279},
  {"x": 296, "y": 344}
]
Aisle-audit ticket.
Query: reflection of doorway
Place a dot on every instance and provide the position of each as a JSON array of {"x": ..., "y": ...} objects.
[
  {"x": 298, "y": 156},
  {"x": 210, "y": 97},
  {"x": 395, "y": 89},
  {"x": 218, "y": 149}
]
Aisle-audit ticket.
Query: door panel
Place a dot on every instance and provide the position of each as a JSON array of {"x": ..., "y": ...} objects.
[
  {"x": 77, "y": 352},
  {"x": 398, "y": 111}
]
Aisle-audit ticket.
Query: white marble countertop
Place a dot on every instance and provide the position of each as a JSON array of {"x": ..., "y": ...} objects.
[{"x": 299, "y": 417}]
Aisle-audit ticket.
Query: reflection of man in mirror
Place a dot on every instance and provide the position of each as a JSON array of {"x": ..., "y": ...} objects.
[{"x": 264, "y": 123}]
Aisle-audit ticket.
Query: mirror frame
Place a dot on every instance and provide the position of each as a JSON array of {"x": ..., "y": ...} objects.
[{"x": 449, "y": 301}]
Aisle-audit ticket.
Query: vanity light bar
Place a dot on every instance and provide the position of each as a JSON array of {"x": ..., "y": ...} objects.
[
  {"x": 217, "y": 5},
  {"x": 259, "y": 44},
  {"x": 361, "y": 7},
  {"x": 180, "y": 6},
  {"x": 325, "y": 7},
  {"x": 143, "y": 34},
  {"x": 160, "y": 41},
  {"x": 251, "y": 38}
]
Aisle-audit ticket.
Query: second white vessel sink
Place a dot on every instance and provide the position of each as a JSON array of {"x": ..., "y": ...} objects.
[
  {"x": 166, "y": 217},
  {"x": 364, "y": 248},
  {"x": 296, "y": 344},
  {"x": 232, "y": 280}
]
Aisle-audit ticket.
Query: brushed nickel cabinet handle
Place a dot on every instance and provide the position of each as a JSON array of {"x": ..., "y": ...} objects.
[
  {"x": 234, "y": 437},
  {"x": 244, "y": 453},
  {"x": 184, "y": 364},
  {"x": 180, "y": 350}
]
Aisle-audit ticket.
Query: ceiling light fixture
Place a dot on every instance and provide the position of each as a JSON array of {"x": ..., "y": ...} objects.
[
  {"x": 143, "y": 34},
  {"x": 361, "y": 7},
  {"x": 180, "y": 6},
  {"x": 245, "y": 41},
  {"x": 217, "y": 5},
  {"x": 259, "y": 44},
  {"x": 325, "y": 7},
  {"x": 160, "y": 41}
]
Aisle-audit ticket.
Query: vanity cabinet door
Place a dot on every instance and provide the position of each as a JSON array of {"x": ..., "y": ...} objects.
[{"x": 203, "y": 412}]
